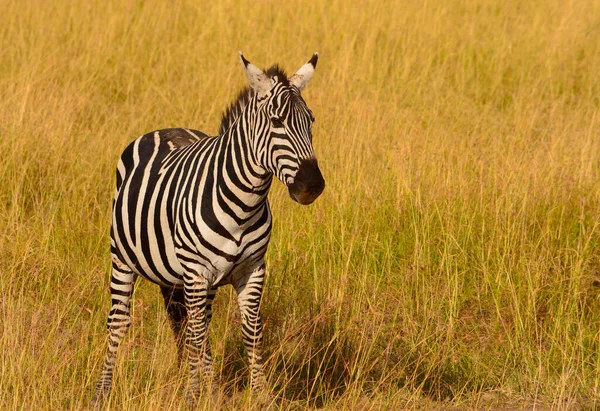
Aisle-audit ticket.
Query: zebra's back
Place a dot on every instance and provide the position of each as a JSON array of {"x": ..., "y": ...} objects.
[{"x": 169, "y": 139}]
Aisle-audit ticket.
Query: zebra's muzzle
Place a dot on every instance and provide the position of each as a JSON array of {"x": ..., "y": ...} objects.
[{"x": 308, "y": 183}]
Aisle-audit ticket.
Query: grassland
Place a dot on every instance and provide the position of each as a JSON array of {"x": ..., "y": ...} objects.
[{"x": 452, "y": 261}]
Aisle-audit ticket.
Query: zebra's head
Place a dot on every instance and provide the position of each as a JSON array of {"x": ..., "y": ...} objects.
[{"x": 283, "y": 128}]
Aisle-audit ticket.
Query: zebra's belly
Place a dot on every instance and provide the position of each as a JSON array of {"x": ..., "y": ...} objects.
[
  {"x": 152, "y": 259},
  {"x": 164, "y": 263}
]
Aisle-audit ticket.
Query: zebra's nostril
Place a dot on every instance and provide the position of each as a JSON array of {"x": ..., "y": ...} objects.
[{"x": 299, "y": 186}]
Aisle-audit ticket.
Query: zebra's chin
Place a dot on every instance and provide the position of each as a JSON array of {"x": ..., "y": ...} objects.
[{"x": 304, "y": 198}]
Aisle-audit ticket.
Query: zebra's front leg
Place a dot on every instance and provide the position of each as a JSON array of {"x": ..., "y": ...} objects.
[
  {"x": 196, "y": 290},
  {"x": 175, "y": 305},
  {"x": 119, "y": 319},
  {"x": 249, "y": 291}
]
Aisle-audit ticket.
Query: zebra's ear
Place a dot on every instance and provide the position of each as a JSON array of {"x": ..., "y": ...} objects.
[
  {"x": 304, "y": 74},
  {"x": 259, "y": 81}
]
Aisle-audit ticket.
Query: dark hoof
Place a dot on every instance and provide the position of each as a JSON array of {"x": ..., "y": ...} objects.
[{"x": 99, "y": 400}]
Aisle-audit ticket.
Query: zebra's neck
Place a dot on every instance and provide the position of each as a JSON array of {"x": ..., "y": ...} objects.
[{"x": 239, "y": 167}]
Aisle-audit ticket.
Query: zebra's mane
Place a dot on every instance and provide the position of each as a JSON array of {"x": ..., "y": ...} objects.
[{"x": 235, "y": 109}]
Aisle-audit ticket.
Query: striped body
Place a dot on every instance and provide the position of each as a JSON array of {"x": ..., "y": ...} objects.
[{"x": 180, "y": 201}]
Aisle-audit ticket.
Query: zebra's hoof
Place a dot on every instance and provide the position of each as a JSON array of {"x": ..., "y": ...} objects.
[
  {"x": 98, "y": 400},
  {"x": 213, "y": 388},
  {"x": 264, "y": 399},
  {"x": 191, "y": 400}
]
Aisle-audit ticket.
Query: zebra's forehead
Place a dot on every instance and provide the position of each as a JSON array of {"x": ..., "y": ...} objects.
[{"x": 287, "y": 99}]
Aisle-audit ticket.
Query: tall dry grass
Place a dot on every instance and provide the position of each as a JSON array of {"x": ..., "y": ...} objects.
[{"x": 452, "y": 260}]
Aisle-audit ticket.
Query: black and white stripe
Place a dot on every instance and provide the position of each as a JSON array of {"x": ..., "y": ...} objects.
[{"x": 190, "y": 214}]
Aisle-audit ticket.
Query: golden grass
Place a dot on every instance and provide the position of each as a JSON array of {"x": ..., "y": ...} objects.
[{"x": 451, "y": 262}]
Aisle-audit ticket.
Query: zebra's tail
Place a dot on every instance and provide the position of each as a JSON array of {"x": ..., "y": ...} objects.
[{"x": 124, "y": 166}]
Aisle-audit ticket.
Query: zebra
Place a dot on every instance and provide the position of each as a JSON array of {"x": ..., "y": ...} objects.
[{"x": 190, "y": 214}]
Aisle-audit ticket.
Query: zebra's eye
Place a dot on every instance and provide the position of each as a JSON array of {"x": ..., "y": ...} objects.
[{"x": 276, "y": 122}]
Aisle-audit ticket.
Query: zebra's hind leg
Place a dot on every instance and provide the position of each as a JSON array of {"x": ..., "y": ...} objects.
[
  {"x": 249, "y": 291},
  {"x": 119, "y": 319},
  {"x": 175, "y": 305},
  {"x": 207, "y": 363},
  {"x": 196, "y": 290}
]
